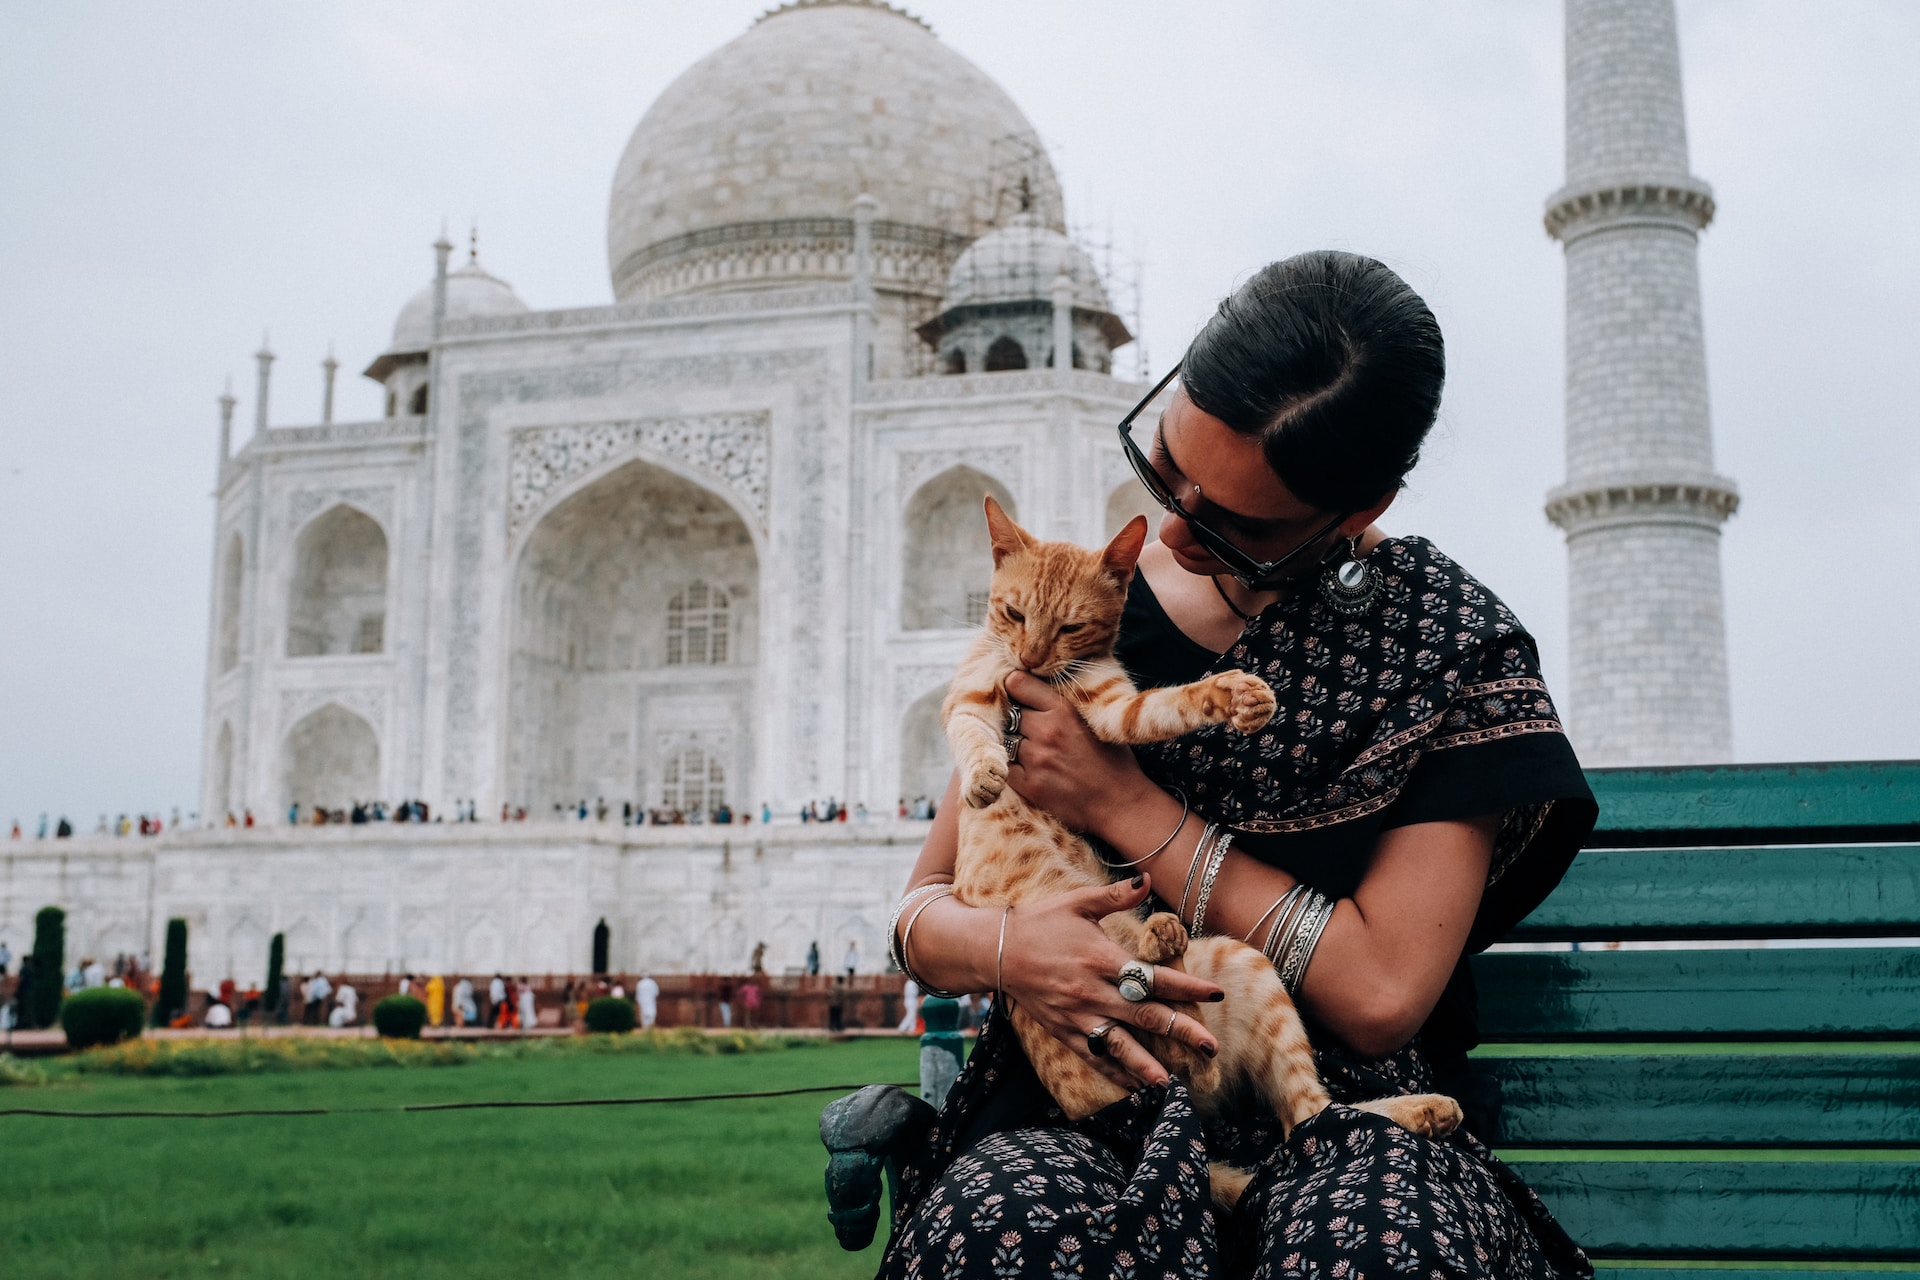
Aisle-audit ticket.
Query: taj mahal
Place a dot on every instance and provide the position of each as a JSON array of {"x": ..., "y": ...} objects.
[{"x": 718, "y": 545}]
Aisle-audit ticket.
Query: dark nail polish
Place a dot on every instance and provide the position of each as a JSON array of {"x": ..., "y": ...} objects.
[
  {"x": 1209, "y": 1050},
  {"x": 1216, "y": 997},
  {"x": 1138, "y": 880}
]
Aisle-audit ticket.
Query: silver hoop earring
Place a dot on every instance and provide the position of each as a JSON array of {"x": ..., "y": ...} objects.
[{"x": 1350, "y": 586}]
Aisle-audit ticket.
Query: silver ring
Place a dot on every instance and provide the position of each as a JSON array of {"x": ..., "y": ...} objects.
[
  {"x": 1011, "y": 743},
  {"x": 1136, "y": 981},
  {"x": 1172, "y": 1014},
  {"x": 1097, "y": 1040},
  {"x": 1013, "y": 720}
]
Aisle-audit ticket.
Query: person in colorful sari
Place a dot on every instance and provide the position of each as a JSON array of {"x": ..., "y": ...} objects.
[{"x": 1415, "y": 795}]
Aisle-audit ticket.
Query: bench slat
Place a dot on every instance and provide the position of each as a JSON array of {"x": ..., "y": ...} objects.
[
  {"x": 1772, "y": 803},
  {"x": 1830, "y": 993},
  {"x": 1706, "y": 1099},
  {"x": 1735, "y": 892},
  {"x": 1841, "y": 1210}
]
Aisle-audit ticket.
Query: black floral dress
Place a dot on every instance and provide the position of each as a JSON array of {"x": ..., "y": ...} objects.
[{"x": 1428, "y": 708}]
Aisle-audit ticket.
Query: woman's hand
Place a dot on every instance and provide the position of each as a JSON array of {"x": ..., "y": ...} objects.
[
  {"x": 1062, "y": 767},
  {"x": 1060, "y": 968}
]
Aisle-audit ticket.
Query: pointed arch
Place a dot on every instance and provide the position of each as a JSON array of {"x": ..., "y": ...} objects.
[
  {"x": 338, "y": 603},
  {"x": 1005, "y": 355},
  {"x": 948, "y": 564},
  {"x": 925, "y": 759},
  {"x": 330, "y": 758},
  {"x": 1129, "y": 499}
]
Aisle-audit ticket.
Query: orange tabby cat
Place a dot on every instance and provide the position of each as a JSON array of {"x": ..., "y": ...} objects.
[{"x": 1055, "y": 612}]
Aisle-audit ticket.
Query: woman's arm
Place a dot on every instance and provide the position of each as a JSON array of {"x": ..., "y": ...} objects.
[
  {"x": 1387, "y": 952},
  {"x": 1059, "y": 965}
]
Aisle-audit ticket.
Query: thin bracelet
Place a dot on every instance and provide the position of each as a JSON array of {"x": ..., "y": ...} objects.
[
  {"x": 906, "y": 937},
  {"x": 1301, "y": 950},
  {"x": 1284, "y": 925},
  {"x": 1117, "y": 866},
  {"x": 893, "y": 921},
  {"x": 1279, "y": 904},
  {"x": 1283, "y": 947},
  {"x": 1199, "y": 856},
  {"x": 1000, "y": 955},
  {"x": 1220, "y": 847}
]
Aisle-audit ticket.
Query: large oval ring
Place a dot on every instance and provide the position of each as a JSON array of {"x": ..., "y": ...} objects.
[
  {"x": 1136, "y": 981},
  {"x": 1097, "y": 1040},
  {"x": 1013, "y": 720}
]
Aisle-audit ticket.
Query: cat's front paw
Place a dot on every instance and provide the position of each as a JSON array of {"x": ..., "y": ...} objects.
[
  {"x": 1246, "y": 701},
  {"x": 983, "y": 780},
  {"x": 1163, "y": 938}
]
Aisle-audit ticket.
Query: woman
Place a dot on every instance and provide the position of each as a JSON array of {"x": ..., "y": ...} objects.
[{"x": 1416, "y": 783}]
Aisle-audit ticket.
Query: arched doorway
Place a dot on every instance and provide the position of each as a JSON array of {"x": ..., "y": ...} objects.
[
  {"x": 1131, "y": 499},
  {"x": 339, "y": 599},
  {"x": 331, "y": 759},
  {"x": 636, "y": 608},
  {"x": 925, "y": 759},
  {"x": 948, "y": 565}
]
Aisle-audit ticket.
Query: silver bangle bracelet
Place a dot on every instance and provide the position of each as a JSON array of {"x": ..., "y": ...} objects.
[
  {"x": 1300, "y": 950},
  {"x": 1000, "y": 955},
  {"x": 1280, "y": 904},
  {"x": 906, "y": 938},
  {"x": 1184, "y": 810},
  {"x": 1220, "y": 847},
  {"x": 1200, "y": 851},
  {"x": 1285, "y": 927},
  {"x": 893, "y": 922}
]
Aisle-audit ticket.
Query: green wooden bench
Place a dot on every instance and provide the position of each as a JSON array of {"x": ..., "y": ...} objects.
[{"x": 1735, "y": 1113}]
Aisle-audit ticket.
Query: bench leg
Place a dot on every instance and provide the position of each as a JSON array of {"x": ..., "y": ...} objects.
[{"x": 864, "y": 1134}]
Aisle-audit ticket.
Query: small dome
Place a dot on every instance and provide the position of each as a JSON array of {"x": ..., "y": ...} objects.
[
  {"x": 470, "y": 292},
  {"x": 817, "y": 103},
  {"x": 1018, "y": 263}
]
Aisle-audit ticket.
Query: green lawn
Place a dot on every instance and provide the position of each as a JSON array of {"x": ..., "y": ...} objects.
[{"x": 700, "y": 1189}]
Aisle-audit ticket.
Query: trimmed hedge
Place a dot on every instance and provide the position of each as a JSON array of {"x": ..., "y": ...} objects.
[
  {"x": 102, "y": 1015},
  {"x": 611, "y": 1014},
  {"x": 399, "y": 1017}
]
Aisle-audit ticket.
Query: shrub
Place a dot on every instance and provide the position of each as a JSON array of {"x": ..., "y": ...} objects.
[
  {"x": 399, "y": 1017},
  {"x": 610, "y": 1013},
  {"x": 274, "y": 994},
  {"x": 49, "y": 965},
  {"x": 173, "y": 977},
  {"x": 102, "y": 1015},
  {"x": 14, "y": 1072}
]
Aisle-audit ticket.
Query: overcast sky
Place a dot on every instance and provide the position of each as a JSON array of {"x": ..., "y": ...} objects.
[{"x": 179, "y": 177}]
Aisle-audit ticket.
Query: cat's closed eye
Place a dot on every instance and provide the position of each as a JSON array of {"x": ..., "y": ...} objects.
[
  {"x": 1067, "y": 627},
  {"x": 1015, "y": 615}
]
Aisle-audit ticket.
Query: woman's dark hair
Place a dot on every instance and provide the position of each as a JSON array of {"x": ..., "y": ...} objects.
[{"x": 1335, "y": 364}]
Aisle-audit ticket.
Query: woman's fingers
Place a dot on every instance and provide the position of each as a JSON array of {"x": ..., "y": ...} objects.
[
  {"x": 1100, "y": 901},
  {"x": 1132, "y": 1058},
  {"x": 1034, "y": 693},
  {"x": 1162, "y": 1021}
]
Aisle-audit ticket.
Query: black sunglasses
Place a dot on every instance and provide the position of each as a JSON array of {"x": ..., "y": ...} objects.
[{"x": 1255, "y": 575}]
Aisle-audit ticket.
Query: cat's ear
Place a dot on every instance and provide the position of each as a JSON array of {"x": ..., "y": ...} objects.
[
  {"x": 1124, "y": 551},
  {"x": 1007, "y": 536}
]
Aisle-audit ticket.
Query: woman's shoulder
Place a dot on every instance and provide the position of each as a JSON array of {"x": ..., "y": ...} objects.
[{"x": 1427, "y": 585}]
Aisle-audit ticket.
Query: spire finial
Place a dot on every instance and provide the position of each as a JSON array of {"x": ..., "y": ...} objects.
[{"x": 473, "y": 243}]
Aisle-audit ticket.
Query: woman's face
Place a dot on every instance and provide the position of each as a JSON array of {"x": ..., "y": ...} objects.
[{"x": 1222, "y": 477}]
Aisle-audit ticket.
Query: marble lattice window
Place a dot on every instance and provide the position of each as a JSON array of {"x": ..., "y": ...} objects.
[
  {"x": 693, "y": 782},
  {"x": 697, "y": 627}
]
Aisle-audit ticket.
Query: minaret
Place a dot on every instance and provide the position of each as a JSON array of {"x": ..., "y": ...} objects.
[
  {"x": 265, "y": 356},
  {"x": 1642, "y": 505},
  {"x": 328, "y": 368},
  {"x": 1062, "y": 294},
  {"x": 442, "y": 250},
  {"x": 227, "y": 402}
]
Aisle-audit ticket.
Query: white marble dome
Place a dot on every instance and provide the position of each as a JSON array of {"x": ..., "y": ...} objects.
[
  {"x": 815, "y": 104},
  {"x": 471, "y": 291},
  {"x": 1018, "y": 263}
]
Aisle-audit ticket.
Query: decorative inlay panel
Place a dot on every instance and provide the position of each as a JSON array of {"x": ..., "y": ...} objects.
[
  {"x": 921, "y": 465},
  {"x": 369, "y": 703},
  {"x": 731, "y": 448},
  {"x": 376, "y": 502}
]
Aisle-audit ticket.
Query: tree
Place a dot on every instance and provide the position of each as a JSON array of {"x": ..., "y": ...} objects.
[
  {"x": 173, "y": 975},
  {"x": 600, "y": 937},
  {"x": 274, "y": 998},
  {"x": 49, "y": 965}
]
